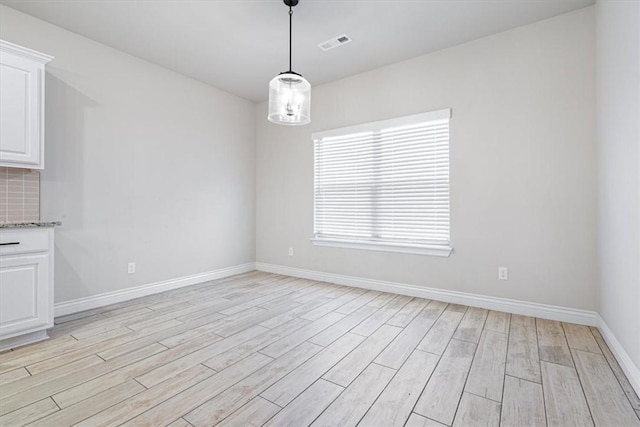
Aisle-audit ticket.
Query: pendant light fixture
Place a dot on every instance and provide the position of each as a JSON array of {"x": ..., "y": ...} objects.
[{"x": 289, "y": 92}]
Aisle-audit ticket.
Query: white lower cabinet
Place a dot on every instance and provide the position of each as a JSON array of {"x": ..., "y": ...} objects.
[{"x": 26, "y": 285}]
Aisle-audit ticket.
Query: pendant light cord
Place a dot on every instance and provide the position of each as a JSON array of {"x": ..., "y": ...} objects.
[{"x": 290, "y": 28}]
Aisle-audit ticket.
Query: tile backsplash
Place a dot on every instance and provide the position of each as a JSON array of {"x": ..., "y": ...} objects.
[{"x": 19, "y": 195}]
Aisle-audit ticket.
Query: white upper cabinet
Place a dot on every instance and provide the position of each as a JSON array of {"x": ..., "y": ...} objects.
[{"x": 21, "y": 106}]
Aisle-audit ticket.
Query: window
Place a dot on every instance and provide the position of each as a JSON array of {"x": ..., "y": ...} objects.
[{"x": 384, "y": 185}]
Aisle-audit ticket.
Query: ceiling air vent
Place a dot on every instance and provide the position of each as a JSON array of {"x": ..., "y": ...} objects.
[{"x": 334, "y": 42}]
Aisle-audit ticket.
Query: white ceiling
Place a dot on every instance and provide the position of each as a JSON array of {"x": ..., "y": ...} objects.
[{"x": 239, "y": 45}]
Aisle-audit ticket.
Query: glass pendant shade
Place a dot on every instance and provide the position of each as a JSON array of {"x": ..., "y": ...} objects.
[{"x": 289, "y": 100}]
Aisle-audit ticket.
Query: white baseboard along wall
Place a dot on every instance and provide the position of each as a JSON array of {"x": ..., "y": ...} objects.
[
  {"x": 545, "y": 311},
  {"x": 96, "y": 301},
  {"x": 552, "y": 312},
  {"x": 630, "y": 369}
]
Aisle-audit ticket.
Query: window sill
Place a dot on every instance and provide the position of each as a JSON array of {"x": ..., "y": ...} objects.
[{"x": 440, "y": 251}]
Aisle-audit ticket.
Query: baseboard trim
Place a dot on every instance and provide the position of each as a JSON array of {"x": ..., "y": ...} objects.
[
  {"x": 96, "y": 301},
  {"x": 20, "y": 340},
  {"x": 624, "y": 360},
  {"x": 564, "y": 314},
  {"x": 552, "y": 312}
]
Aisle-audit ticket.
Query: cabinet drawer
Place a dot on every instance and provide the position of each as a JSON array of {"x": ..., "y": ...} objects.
[{"x": 21, "y": 241}]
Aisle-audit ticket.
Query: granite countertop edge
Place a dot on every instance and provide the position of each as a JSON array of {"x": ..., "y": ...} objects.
[{"x": 30, "y": 224}]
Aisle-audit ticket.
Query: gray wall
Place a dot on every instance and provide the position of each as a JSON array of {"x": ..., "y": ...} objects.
[
  {"x": 618, "y": 133},
  {"x": 523, "y": 165},
  {"x": 142, "y": 164},
  {"x": 149, "y": 166}
]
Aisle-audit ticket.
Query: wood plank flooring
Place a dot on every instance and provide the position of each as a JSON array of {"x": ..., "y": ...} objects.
[{"x": 264, "y": 349}]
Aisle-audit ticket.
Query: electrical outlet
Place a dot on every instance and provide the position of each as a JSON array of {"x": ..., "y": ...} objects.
[
  {"x": 131, "y": 268},
  {"x": 503, "y": 273},
  {"x": 290, "y": 251}
]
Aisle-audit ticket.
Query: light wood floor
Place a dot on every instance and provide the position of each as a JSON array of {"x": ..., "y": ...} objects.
[{"x": 263, "y": 349}]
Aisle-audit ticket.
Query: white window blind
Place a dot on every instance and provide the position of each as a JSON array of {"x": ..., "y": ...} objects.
[{"x": 384, "y": 183}]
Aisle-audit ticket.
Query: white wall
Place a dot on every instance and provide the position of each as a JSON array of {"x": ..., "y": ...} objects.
[
  {"x": 149, "y": 166},
  {"x": 618, "y": 135},
  {"x": 523, "y": 165},
  {"x": 142, "y": 164}
]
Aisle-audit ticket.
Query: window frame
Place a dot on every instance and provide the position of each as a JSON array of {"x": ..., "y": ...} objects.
[{"x": 385, "y": 246}]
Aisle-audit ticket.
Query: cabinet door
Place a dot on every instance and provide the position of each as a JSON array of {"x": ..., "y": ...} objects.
[
  {"x": 24, "y": 294},
  {"x": 21, "y": 139}
]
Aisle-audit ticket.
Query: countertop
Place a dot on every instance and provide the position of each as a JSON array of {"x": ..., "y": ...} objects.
[{"x": 30, "y": 224}]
